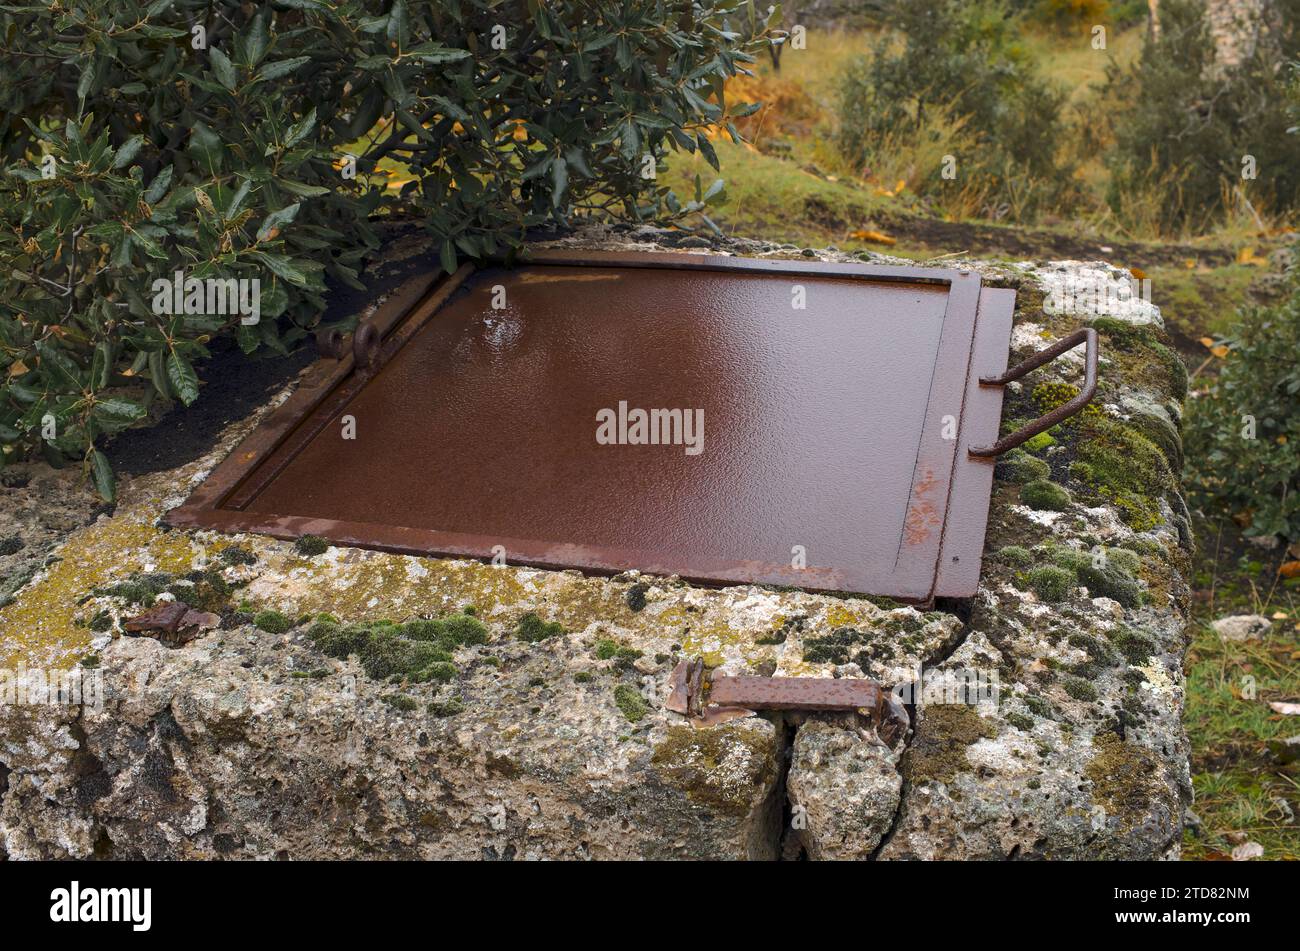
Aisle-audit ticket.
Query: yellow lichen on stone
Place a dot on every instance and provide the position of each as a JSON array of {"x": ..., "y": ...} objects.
[
  {"x": 838, "y": 615},
  {"x": 39, "y": 628},
  {"x": 356, "y": 585}
]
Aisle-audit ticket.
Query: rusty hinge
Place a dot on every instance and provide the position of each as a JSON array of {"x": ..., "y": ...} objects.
[{"x": 699, "y": 695}]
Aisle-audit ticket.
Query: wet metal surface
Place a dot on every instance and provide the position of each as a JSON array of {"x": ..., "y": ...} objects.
[{"x": 828, "y": 451}]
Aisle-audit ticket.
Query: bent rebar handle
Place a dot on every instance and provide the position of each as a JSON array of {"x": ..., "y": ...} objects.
[{"x": 1065, "y": 410}]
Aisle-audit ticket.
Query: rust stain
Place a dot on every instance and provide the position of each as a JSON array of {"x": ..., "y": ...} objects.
[{"x": 922, "y": 514}]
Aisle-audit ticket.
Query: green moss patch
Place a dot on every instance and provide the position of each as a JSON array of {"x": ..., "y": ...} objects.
[
  {"x": 203, "y": 590},
  {"x": 636, "y": 599},
  {"x": 1080, "y": 689},
  {"x": 237, "y": 555},
  {"x": 1015, "y": 555},
  {"x": 630, "y": 701},
  {"x": 723, "y": 768},
  {"x": 1020, "y": 467},
  {"x": 1143, "y": 360},
  {"x": 609, "y": 649},
  {"x": 846, "y": 645},
  {"x": 273, "y": 622},
  {"x": 1126, "y": 779},
  {"x": 938, "y": 753},
  {"x": 384, "y": 651},
  {"x": 1121, "y": 467},
  {"x": 1133, "y": 645},
  {"x": 309, "y": 546},
  {"x": 1050, "y": 582},
  {"x": 532, "y": 628},
  {"x": 456, "y": 630},
  {"x": 1105, "y": 573},
  {"x": 1045, "y": 496},
  {"x": 1109, "y": 580}
]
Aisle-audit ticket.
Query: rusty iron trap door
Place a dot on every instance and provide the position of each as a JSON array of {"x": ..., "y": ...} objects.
[{"x": 723, "y": 419}]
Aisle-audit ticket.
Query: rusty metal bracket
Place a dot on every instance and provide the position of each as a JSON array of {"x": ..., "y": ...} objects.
[
  {"x": 330, "y": 343},
  {"x": 365, "y": 345},
  {"x": 700, "y": 696},
  {"x": 1065, "y": 410}
]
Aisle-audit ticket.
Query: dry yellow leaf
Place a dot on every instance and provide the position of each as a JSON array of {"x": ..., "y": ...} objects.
[
  {"x": 1137, "y": 272},
  {"x": 1220, "y": 351},
  {"x": 873, "y": 236},
  {"x": 17, "y": 367},
  {"x": 1248, "y": 256}
]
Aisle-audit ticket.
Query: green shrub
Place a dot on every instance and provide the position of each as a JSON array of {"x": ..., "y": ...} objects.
[
  {"x": 134, "y": 151},
  {"x": 1242, "y": 436},
  {"x": 1182, "y": 126},
  {"x": 953, "y": 78},
  {"x": 1064, "y": 16}
]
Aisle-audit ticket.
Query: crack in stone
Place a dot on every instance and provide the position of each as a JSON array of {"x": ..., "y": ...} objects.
[{"x": 938, "y": 657}]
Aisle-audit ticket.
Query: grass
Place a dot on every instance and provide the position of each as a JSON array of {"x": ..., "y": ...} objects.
[
  {"x": 1243, "y": 792},
  {"x": 1203, "y": 301},
  {"x": 771, "y": 196},
  {"x": 1074, "y": 64}
]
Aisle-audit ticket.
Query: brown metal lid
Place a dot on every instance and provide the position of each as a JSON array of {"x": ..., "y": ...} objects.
[{"x": 503, "y": 411}]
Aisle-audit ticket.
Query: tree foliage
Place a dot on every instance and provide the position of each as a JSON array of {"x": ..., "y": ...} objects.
[
  {"x": 221, "y": 138},
  {"x": 1243, "y": 433}
]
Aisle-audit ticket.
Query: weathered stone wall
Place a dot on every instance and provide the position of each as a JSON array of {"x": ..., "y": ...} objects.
[{"x": 249, "y": 744}]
